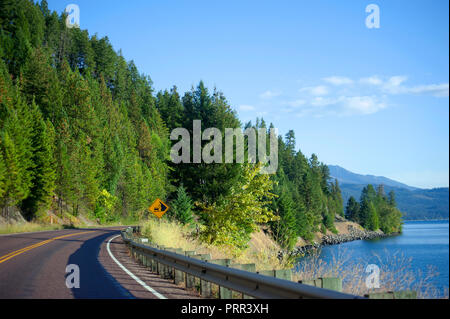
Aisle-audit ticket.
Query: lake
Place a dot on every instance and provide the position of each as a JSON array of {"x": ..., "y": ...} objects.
[{"x": 426, "y": 243}]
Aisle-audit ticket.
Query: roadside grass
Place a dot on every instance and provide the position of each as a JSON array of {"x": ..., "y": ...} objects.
[
  {"x": 262, "y": 250},
  {"x": 119, "y": 223},
  {"x": 71, "y": 222},
  {"x": 396, "y": 274}
]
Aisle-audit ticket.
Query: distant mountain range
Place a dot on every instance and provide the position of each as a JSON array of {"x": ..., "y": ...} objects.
[
  {"x": 415, "y": 203},
  {"x": 346, "y": 177}
]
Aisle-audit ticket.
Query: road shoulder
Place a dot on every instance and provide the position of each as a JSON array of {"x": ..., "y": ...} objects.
[{"x": 164, "y": 287}]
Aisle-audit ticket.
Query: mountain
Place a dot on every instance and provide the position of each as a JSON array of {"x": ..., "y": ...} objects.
[
  {"x": 415, "y": 203},
  {"x": 346, "y": 177}
]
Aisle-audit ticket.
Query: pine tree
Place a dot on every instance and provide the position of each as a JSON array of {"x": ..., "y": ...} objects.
[
  {"x": 371, "y": 220},
  {"x": 40, "y": 84},
  {"x": 171, "y": 109},
  {"x": 336, "y": 195},
  {"x": 182, "y": 207},
  {"x": 392, "y": 202},
  {"x": 285, "y": 228},
  {"x": 44, "y": 175},
  {"x": 104, "y": 59},
  {"x": 17, "y": 151},
  {"x": 16, "y": 182},
  {"x": 3, "y": 172},
  {"x": 352, "y": 210},
  {"x": 208, "y": 182}
]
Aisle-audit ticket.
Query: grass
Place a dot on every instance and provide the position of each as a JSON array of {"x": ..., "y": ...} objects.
[
  {"x": 262, "y": 250},
  {"x": 67, "y": 220},
  {"x": 27, "y": 228},
  {"x": 352, "y": 272}
]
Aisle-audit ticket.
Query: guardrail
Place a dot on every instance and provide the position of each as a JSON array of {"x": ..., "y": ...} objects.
[{"x": 247, "y": 283}]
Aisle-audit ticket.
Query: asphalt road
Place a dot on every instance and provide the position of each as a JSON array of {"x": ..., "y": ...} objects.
[{"x": 33, "y": 266}]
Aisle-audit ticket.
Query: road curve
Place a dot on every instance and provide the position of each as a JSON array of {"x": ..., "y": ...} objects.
[{"x": 33, "y": 266}]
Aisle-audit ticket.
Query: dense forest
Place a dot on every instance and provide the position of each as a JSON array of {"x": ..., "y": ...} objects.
[
  {"x": 376, "y": 210},
  {"x": 83, "y": 132},
  {"x": 419, "y": 204}
]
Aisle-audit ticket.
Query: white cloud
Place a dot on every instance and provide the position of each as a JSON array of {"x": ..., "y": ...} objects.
[
  {"x": 247, "y": 108},
  {"x": 438, "y": 90},
  {"x": 321, "y": 101},
  {"x": 395, "y": 85},
  {"x": 372, "y": 80},
  {"x": 362, "y": 105},
  {"x": 338, "y": 80},
  {"x": 269, "y": 94},
  {"x": 319, "y": 90},
  {"x": 343, "y": 106},
  {"x": 397, "y": 80},
  {"x": 363, "y": 96},
  {"x": 296, "y": 103}
]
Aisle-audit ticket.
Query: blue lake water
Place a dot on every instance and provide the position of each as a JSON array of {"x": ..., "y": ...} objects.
[{"x": 425, "y": 242}]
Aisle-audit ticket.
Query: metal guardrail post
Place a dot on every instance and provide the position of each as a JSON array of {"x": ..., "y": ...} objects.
[
  {"x": 172, "y": 272},
  {"x": 246, "y": 267},
  {"x": 285, "y": 274},
  {"x": 224, "y": 293},
  {"x": 154, "y": 266},
  {"x": 205, "y": 286},
  {"x": 190, "y": 280},
  {"x": 326, "y": 283},
  {"x": 161, "y": 267},
  {"x": 178, "y": 275},
  {"x": 244, "y": 282}
]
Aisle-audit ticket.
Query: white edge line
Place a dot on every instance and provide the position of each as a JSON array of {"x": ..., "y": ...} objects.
[{"x": 143, "y": 284}]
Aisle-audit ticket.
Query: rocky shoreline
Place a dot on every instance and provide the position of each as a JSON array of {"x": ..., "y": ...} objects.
[{"x": 327, "y": 240}]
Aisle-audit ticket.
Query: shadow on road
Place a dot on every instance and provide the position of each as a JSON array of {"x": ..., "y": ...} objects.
[{"x": 95, "y": 281}]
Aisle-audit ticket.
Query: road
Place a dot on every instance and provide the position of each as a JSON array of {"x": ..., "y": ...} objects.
[{"x": 33, "y": 266}]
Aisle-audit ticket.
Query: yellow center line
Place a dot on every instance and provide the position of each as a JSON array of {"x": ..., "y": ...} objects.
[{"x": 25, "y": 249}]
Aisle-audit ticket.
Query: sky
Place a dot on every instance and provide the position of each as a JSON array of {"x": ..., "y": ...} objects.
[{"x": 372, "y": 100}]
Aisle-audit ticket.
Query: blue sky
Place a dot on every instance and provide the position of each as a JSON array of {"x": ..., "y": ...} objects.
[{"x": 374, "y": 101}]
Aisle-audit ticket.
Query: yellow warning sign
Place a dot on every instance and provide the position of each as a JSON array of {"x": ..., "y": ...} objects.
[{"x": 159, "y": 208}]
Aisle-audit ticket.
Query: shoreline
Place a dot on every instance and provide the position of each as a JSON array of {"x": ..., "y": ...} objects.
[
  {"x": 426, "y": 220},
  {"x": 353, "y": 234}
]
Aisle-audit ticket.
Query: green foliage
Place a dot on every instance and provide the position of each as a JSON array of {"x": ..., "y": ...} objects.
[
  {"x": 375, "y": 210},
  {"x": 352, "y": 210},
  {"x": 207, "y": 182},
  {"x": 233, "y": 218},
  {"x": 76, "y": 119},
  {"x": 105, "y": 206},
  {"x": 371, "y": 219},
  {"x": 182, "y": 207},
  {"x": 171, "y": 108},
  {"x": 44, "y": 175},
  {"x": 284, "y": 228},
  {"x": 17, "y": 151},
  {"x": 315, "y": 199},
  {"x": 2, "y": 174}
]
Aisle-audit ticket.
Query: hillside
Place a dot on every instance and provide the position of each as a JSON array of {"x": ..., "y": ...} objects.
[
  {"x": 415, "y": 203},
  {"x": 84, "y": 132},
  {"x": 346, "y": 177}
]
